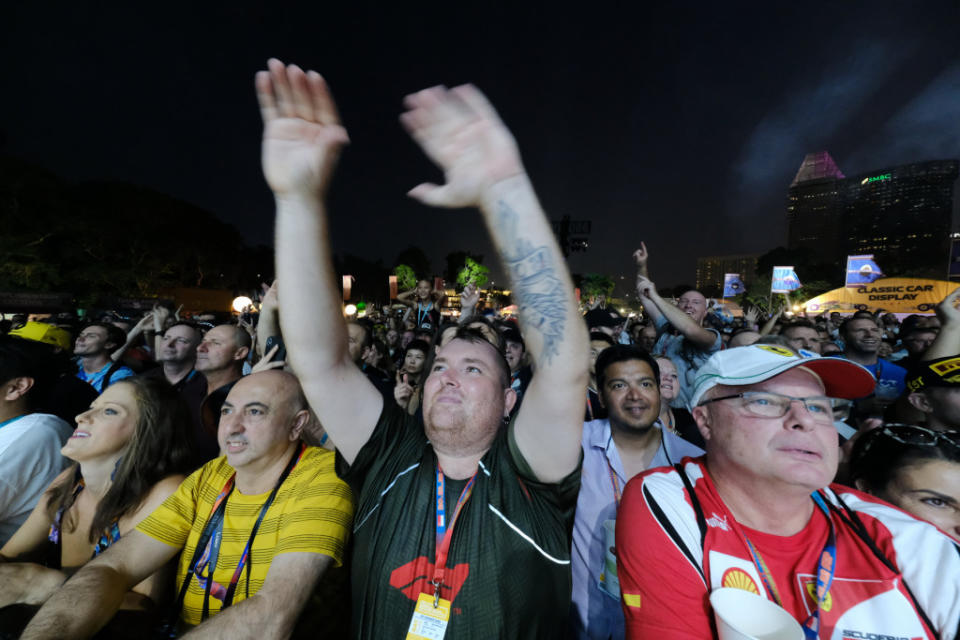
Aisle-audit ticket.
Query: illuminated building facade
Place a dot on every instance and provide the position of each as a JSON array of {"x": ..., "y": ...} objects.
[
  {"x": 711, "y": 269},
  {"x": 901, "y": 214}
]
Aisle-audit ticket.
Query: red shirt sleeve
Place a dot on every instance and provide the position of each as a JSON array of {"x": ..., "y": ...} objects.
[{"x": 662, "y": 594}]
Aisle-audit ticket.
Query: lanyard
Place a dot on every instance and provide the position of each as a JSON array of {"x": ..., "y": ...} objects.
[
  {"x": 445, "y": 532},
  {"x": 825, "y": 569},
  {"x": 208, "y": 546},
  {"x": 423, "y": 312},
  {"x": 6, "y": 422},
  {"x": 615, "y": 479}
]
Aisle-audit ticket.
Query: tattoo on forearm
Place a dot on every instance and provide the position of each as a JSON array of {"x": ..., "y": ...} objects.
[{"x": 538, "y": 292}]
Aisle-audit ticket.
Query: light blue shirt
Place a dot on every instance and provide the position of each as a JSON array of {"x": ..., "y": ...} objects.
[
  {"x": 95, "y": 379},
  {"x": 595, "y": 613},
  {"x": 685, "y": 357}
]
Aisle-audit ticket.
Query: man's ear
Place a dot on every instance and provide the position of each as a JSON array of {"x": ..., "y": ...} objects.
[
  {"x": 920, "y": 401},
  {"x": 702, "y": 416},
  {"x": 600, "y": 396},
  {"x": 16, "y": 388},
  {"x": 300, "y": 421},
  {"x": 509, "y": 399},
  {"x": 241, "y": 353},
  {"x": 861, "y": 485}
]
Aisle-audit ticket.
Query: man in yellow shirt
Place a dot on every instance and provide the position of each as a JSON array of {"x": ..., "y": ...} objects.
[{"x": 257, "y": 528}]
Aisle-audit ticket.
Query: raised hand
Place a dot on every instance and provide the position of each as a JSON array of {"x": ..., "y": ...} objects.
[
  {"x": 265, "y": 363},
  {"x": 947, "y": 310},
  {"x": 145, "y": 323},
  {"x": 160, "y": 316},
  {"x": 750, "y": 316},
  {"x": 640, "y": 256},
  {"x": 470, "y": 296},
  {"x": 302, "y": 134},
  {"x": 461, "y": 132},
  {"x": 646, "y": 288},
  {"x": 403, "y": 390}
]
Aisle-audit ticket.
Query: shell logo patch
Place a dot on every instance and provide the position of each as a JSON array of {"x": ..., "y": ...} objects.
[
  {"x": 812, "y": 592},
  {"x": 780, "y": 351},
  {"x": 738, "y": 579}
]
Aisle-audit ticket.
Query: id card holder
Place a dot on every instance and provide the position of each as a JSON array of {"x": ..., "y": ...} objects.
[
  {"x": 608, "y": 582},
  {"x": 429, "y": 622}
]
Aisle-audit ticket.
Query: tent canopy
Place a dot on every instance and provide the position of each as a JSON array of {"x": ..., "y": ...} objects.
[{"x": 896, "y": 295}]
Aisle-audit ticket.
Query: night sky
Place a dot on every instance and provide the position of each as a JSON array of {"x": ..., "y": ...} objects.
[{"x": 681, "y": 124}]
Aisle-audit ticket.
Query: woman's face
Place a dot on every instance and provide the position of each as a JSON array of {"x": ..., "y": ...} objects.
[
  {"x": 413, "y": 362},
  {"x": 669, "y": 382},
  {"x": 106, "y": 427},
  {"x": 929, "y": 490}
]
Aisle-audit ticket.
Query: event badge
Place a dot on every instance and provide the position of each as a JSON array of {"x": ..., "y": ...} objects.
[
  {"x": 429, "y": 622},
  {"x": 609, "y": 582}
]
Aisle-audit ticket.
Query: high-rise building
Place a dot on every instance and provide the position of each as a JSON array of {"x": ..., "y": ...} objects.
[
  {"x": 711, "y": 269},
  {"x": 901, "y": 214}
]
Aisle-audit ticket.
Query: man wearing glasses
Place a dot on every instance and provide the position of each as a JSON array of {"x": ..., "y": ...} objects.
[{"x": 758, "y": 513}]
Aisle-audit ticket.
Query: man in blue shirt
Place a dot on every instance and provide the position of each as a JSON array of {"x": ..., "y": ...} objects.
[
  {"x": 615, "y": 449},
  {"x": 93, "y": 348},
  {"x": 862, "y": 338}
]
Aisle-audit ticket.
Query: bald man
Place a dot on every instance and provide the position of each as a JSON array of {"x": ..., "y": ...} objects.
[{"x": 267, "y": 477}]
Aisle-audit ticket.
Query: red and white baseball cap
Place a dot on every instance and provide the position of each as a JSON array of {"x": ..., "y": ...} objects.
[{"x": 755, "y": 363}]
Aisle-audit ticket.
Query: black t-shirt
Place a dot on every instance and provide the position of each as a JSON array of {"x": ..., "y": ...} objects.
[
  {"x": 427, "y": 315},
  {"x": 509, "y": 562}
]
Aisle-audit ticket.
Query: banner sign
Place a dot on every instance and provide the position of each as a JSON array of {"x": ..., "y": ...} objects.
[
  {"x": 784, "y": 280},
  {"x": 27, "y": 301},
  {"x": 394, "y": 290},
  {"x": 732, "y": 285},
  {"x": 347, "y": 282},
  {"x": 896, "y": 295},
  {"x": 862, "y": 270}
]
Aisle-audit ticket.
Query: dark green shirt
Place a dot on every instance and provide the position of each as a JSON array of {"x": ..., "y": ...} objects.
[{"x": 508, "y": 573}]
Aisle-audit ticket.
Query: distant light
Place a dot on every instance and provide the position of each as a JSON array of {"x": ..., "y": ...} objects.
[
  {"x": 885, "y": 176},
  {"x": 240, "y": 303},
  {"x": 350, "y": 309},
  {"x": 796, "y": 307}
]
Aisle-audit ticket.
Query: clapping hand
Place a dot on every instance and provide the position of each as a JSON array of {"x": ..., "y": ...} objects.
[
  {"x": 461, "y": 132},
  {"x": 302, "y": 134}
]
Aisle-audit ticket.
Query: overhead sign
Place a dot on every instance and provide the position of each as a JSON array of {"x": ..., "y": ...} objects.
[
  {"x": 784, "y": 280},
  {"x": 862, "y": 270},
  {"x": 732, "y": 285},
  {"x": 885, "y": 176},
  {"x": 896, "y": 295},
  {"x": 27, "y": 301}
]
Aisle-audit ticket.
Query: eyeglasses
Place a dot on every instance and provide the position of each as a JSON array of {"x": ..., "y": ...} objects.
[
  {"x": 909, "y": 434},
  {"x": 916, "y": 435},
  {"x": 767, "y": 404}
]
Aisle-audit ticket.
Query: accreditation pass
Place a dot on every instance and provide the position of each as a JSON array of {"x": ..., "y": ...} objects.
[{"x": 429, "y": 622}]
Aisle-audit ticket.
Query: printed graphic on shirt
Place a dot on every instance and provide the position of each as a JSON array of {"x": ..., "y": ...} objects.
[
  {"x": 725, "y": 570},
  {"x": 416, "y": 577},
  {"x": 738, "y": 579},
  {"x": 878, "y": 609}
]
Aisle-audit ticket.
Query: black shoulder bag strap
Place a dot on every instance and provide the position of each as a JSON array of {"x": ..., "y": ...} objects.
[
  {"x": 695, "y": 502},
  {"x": 106, "y": 379}
]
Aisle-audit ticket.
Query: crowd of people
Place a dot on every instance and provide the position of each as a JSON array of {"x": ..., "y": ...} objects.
[{"x": 569, "y": 473}]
